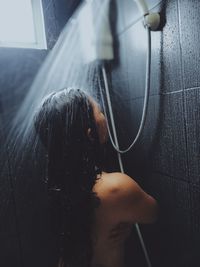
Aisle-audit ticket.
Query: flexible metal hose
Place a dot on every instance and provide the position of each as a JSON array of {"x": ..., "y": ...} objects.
[
  {"x": 115, "y": 142},
  {"x": 145, "y": 106}
]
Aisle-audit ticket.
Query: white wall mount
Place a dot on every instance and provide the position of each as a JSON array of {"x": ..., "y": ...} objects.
[{"x": 151, "y": 20}]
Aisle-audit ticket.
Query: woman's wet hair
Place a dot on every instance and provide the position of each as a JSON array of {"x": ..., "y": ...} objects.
[{"x": 73, "y": 162}]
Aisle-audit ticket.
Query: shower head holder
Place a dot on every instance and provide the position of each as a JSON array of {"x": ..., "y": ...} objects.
[{"x": 151, "y": 20}]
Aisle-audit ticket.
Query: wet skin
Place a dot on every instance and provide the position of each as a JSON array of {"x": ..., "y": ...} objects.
[{"x": 123, "y": 203}]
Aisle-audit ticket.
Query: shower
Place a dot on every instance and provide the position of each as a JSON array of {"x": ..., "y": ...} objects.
[
  {"x": 164, "y": 159},
  {"x": 98, "y": 46},
  {"x": 92, "y": 43}
]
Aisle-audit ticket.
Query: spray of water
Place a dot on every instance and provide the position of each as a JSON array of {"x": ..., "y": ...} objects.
[
  {"x": 67, "y": 65},
  {"x": 22, "y": 156},
  {"x": 71, "y": 63},
  {"x": 64, "y": 67}
]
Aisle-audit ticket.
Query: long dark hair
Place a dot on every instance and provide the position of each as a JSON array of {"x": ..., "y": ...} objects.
[{"x": 73, "y": 163}]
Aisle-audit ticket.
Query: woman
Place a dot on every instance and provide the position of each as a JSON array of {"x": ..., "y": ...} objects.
[{"x": 98, "y": 209}]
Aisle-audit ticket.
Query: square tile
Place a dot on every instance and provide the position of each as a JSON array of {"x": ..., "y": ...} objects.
[
  {"x": 15, "y": 80},
  {"x": 190, "y": 40},
  {"x": 168, "y": 153},
  {"x": 172, "y": 230},
  {"x": 128, "y": 71},
  {"x": 162, "y": 145},
  {"x": 128, "y": 120},
  {"x": 170, "y": 52},
  {"x": 192, "y": 109},
  {"x": 174, "y": 201}
]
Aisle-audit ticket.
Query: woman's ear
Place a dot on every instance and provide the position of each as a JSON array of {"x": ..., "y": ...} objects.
[{"x": 89, "y": 134}]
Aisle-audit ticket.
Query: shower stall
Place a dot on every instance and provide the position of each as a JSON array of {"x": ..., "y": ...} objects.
[{"x": 165, "y": 158}]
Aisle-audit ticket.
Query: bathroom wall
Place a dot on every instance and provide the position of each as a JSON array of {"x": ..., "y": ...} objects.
[
  {"x": 23, "y": 240},
  {"x": 166, "y": 161}
]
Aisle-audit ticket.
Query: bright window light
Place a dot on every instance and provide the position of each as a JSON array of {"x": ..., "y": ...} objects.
[{"x": 22, "y": 24}]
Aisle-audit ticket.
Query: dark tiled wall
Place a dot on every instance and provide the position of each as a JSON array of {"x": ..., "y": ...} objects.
[
  {"x": 23, "y": 238},
  {"x": 166, "y": 160}
]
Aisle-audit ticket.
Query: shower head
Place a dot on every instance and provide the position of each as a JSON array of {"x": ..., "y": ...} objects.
[
  {"x": 95, "y": 34},
  {"x": 96, "y": 40},
  {"x": 151, "y": 20}
]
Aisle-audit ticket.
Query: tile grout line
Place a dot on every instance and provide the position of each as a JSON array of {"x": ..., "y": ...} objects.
[
  {"x": 184, "y": 102},
  {"x": 182, "y": 81},
  {"x": 164, "y": 93}
]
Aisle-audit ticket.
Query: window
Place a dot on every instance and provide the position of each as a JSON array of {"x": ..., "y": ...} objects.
[{"x": 22, "y": 24}]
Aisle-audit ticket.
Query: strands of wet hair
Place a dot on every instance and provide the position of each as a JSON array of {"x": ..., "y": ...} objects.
[{"x": 56, "y": 155}]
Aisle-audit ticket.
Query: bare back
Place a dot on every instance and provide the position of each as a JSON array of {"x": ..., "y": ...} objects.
[{"x": 113, "y": 218}]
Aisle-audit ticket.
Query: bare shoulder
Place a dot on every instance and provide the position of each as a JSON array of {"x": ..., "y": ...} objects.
[
  {"x": 122, "y": 197},
  {"x": 115, "y": 189},
  {"x": 116, "y": 183}
]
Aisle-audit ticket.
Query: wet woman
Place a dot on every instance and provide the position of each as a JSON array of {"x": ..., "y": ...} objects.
[{"x": 98, "y": 208}]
